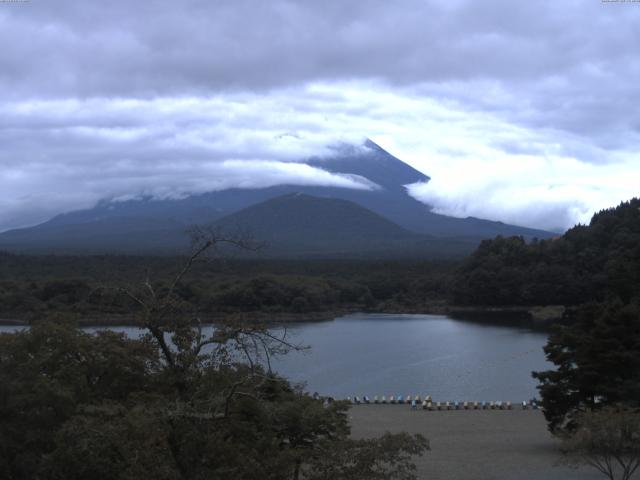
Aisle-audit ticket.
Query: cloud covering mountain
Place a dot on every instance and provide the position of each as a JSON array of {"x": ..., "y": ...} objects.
[{"x": 519, "y": 111}]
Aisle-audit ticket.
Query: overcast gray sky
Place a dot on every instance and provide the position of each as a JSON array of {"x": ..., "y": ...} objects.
[{"x": 525, "y": 112}]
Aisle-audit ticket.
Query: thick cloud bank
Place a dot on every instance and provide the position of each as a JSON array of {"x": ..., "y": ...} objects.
[
  {"x": 552, "y": 195},
  {"x": 63, "y": 155},
  {"x": 520, "y": 111}
]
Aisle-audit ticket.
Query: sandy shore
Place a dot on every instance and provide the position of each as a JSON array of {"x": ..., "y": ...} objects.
[{"x": 474, "y": 444}]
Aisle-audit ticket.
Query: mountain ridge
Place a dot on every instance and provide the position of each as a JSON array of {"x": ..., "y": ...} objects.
[
  {"x": 109, "y": 220},
  {"x": 294, "y": 225}
]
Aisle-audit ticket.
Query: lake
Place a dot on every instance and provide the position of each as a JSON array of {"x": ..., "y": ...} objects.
[{"x": 376, "y": 354}]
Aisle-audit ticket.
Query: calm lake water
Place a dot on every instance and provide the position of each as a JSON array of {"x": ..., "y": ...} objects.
[{"x": 373, "y": 354}]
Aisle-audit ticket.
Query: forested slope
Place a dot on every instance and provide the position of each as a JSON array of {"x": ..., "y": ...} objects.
[{"x": 594, "y": 262}]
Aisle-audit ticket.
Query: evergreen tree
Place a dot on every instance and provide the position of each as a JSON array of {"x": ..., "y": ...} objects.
[
  {"x": 597, "y": 262},
  {"x": 598, "y": 364}
]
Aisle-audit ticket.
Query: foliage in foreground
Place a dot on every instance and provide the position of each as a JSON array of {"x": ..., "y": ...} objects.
[
  {"x": 607, "y": 440},
  {"x": 77, "y": 406},
  {"x": 174, "y": 404}
]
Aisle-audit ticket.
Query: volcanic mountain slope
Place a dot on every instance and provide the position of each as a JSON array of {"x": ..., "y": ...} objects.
[
  {"x": 302, "y": 225},
  {"x": 148, "y": 225},
  {"x": 292, "y": 225},
  {"x": 134, "y": 235}
]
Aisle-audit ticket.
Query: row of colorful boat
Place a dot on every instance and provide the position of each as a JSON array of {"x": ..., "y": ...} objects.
[{"x": 428, "y": 404}]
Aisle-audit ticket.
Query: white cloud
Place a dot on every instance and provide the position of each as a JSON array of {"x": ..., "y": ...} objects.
[
  {"x": 519, "y": 111},
  {"x": 67, "y": 154},
  {"x": 552, "y": 194}
]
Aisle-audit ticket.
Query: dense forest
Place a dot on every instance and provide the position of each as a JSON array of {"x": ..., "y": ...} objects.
[
  {"x": 87, "y": 288},
  {"x": 594, "y": 262}
]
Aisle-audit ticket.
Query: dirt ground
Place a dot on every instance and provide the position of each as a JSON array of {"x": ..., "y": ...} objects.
[{"x": 474, "y": 444}]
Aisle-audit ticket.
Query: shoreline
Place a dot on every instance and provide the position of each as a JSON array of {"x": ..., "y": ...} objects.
[
  {"x": 259, "y": 317},
  {"x": 535, "y": 317}
]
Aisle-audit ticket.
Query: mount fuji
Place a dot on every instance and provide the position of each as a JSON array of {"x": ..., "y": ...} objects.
[{"x": 384, "y": 220}]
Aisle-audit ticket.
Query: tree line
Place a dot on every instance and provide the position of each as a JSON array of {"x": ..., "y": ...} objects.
[
  {"x": 85, "y": 288},
  {"x": 594, "y": 262}
]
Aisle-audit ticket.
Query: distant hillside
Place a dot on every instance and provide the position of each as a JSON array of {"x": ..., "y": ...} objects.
[
  {"x": 293, "y": 225},
  {"x": 589, "y": 263},
  {"x": 300, "y": 224},
  {"x": 151, "y": 226},
  {"x": 300, "y": 218},
  {"x": 133, "y": 235}
]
